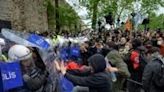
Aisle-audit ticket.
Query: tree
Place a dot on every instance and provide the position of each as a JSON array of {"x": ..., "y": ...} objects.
[
  {"x": 68, "y": 17},
  {"x": 62, "y": 15},
  {"x": 92, "y": 6},
  {"x": 94, "y": 13},
  {"x": 156, "y": 21},
  {"x": 116, "y": 7},
  {"x": 149, "y": 6},
  {"x": 57, "y": 15},
  {"x": 100, "y": 8},
  {"x": 148, "y": 9},
  {"x": 50, "y": 14}
]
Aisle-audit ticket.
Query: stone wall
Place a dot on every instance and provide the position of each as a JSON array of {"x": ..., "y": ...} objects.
[
  {"x": 25, "y": 15},
  {"x": 5, "y": 11}
]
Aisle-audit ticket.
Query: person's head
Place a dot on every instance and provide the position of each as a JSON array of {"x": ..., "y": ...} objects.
[
  {"x": 109, "y": 39},
  {"x": 112, "y": 45},
  {"x": 123, "y": 41},
  {"x": 128, "y": 46},
  {"x": 136, "y": 43},
  {"x": 154, "y": 52},
  {"x": 160, "y": 41},
  {"x": 37, "y": 58},
  {"x": 148, "y": 44},
  {"x": 23, "y": 54},
  {"x": 97, "y": 63},
  {"x": 98, "y": 45}
]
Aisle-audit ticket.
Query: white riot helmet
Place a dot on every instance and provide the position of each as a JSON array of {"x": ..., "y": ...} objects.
[{"x": 19, "y": 52}]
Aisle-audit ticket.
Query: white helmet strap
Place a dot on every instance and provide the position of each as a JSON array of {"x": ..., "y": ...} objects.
[{"x": 28, "y": 55}]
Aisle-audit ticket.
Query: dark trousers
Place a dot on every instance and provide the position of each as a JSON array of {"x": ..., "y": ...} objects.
[{"x": 132, "y": 87}]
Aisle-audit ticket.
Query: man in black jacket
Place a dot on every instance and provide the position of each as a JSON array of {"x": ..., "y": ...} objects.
[
  {"x": 98, "y": 81},
  {"x": 153, "y": 76}
]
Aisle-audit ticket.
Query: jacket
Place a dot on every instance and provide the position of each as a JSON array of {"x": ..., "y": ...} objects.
[
  {"x": 150, "y": 70},
  {"x": 99, "y": 80},
  {"x": 137, "y": 62},
  {"x": 116, "y": 60},
  {"x": 33, "y": 82}
]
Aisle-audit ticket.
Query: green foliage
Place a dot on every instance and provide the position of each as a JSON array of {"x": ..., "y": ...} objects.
[
  {"x": 148, "y": 6},
  {"x": 67, "y": 16},
  {"x": 118, "y": 6},
  {"x": 50, "y": 14},
  {"x": 155, "y": 22},
  {"x": 92, "y": 6},
  {"x": 100, "y": 8}
]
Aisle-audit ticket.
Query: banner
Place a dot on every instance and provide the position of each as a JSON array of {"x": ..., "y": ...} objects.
[{"x": 11, "y": 76}]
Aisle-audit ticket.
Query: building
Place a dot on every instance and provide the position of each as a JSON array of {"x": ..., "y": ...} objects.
[
  {"x": 29, "y": 15},
  {"x": 23, "y": 15}
]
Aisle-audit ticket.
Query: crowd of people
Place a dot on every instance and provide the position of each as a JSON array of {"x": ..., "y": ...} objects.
[{"x": 109, "y": 61}]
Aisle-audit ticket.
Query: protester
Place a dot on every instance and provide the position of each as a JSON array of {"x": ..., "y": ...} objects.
[
  {"x": 136, "y": 64},
  {"x": 119, "y": 67},
  {"x": 127, "y": 53},
  {"x": 153, "y": 76},
  {"x": 160, "y": 43},
  {"x": 98, "y": 81},
  {"x": 85, "y": 52}
]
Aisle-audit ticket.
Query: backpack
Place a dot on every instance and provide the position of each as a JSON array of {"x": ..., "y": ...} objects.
[
  {"x": 158, "y": 76},
  {"x": 142, "y": 62}
]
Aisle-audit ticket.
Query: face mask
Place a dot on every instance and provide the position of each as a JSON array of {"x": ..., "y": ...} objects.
[
  {"x": 159, "y": 42},
  {"x": 155, "y": 55}
]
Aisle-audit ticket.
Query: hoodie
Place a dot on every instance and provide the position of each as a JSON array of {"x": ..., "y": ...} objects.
[
  {"x": 97, "y": 62},
  {"x": 99, "y": 80}
]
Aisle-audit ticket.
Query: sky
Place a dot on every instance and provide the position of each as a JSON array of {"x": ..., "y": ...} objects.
[
  {"x": 82, "y": 11},
  {"x": 161, "y": 10}
]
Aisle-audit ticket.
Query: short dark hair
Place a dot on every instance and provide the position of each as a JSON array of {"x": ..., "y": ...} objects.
[
  {"x": 136, "y": 43},
  {"x": 153, "y": 50},
  {"x": 112, "y": 45}
]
